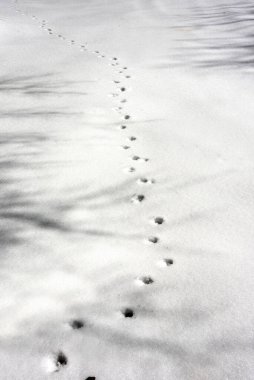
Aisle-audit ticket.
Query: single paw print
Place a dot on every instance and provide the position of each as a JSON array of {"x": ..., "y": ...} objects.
[
  {"x": 165, "y": 263},
  {"x": 76, "y": 324},
  {"x": 128, "y": 312},
  {"x": 144, "y": 280},
  {"x": 138, "y": 198},
  {"x": 153, "y": 239},
  {"x": 158, "y": 220}
]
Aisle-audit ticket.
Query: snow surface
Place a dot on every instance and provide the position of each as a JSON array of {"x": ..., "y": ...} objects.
[{"x": 80, "y": 249}]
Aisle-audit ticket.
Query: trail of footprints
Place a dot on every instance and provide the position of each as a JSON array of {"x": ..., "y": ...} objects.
[{"x": 58, "y": 360}]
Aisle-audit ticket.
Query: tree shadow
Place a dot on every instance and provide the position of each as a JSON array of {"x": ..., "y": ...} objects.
[{"x": 221, "y": 36}]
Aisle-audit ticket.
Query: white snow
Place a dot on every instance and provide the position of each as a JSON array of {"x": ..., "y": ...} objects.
[{"x": 74, "y": 242}]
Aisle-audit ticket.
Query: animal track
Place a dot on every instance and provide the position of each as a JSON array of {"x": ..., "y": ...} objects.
[
  {"x": 138, "y": 198},
  {"x": 144, "y": 280},
  {"x": 137, "y": 158},
  {"x": 59, "y": 360},
  {"x": 130, "y": 170},
  {"x": 165, "y": 263},
  {"x": 55, "y": 362},
  {"x": 158, "y": 220},
  {"x": 153, "y": 239},
  {"x": 76, "y": 324},
  {"x": 144, "y": 180},
  {"x": 128, "y": 313},
  {"x": 143, "y": 159}
]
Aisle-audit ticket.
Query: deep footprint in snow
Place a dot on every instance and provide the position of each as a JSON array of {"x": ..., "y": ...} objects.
[
  {"x": 128, "y": 313},
  {"x": 165, "y": 263},
  {"x": 138, "y": 198},
  {"x": 130, "y": 170},
  {"x": 76, "y": 324},
  {"x": 144, "y": 280},
  {"x": 127, "y": 117},
  {"x": 137, "y": 158},
  {"x": 144, "y": 180},
  {"x": 55, "y": 362},
  {"x": 123, "y": 89},
  {"x": 153, "y": 239},
  {"x": 91, "y": 378},
  {"x": 158, "y": 220},
  {"x": 118, "y": 108},
  {"x": 132, "y": 138},
  {"x": 123, "y": 127},
  {"x": 125, "y": 147},
  {"x": 144, "y": 159}
]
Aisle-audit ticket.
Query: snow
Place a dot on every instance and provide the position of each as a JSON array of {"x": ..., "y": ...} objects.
[{"x": 81, "y": 195}]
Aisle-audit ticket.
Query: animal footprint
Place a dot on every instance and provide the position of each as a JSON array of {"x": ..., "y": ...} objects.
[
  {"x": 153, "y": 239},
  {"x": 76, "y": 324},
  {"x": 128, "y": 313},
  {"x": 91, "y": 378},
  {"x": 130, "y": 170},
  {"x": 138, "y": 198},
  {"x": 123, "y": 127},
  {"x": 158, "y": 220},
  {"x": 125, "y": 147},
  {"x": 137, "y": 158},
  {"x": 143, "y": 159},
  {"x": 165, "y": 263},
  {"x": 132, "y": 138},
  {"x": 55, "y": 362},
  {"x": 144, "y": 180},
  {"x": 144, "y": 280},
  {"x": 127, "y": 117}
]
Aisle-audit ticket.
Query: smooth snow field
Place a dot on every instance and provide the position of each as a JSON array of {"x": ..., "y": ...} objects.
[{"x": 126, "y": 190}]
